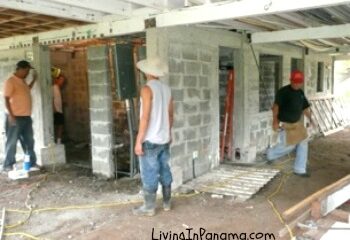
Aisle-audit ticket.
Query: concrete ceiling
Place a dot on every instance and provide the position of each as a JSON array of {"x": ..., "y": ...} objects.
[{"x": 117, "y": 17}]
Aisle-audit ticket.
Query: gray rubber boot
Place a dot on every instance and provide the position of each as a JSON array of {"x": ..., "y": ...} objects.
[
  {"x": 166, "y": 198},
  {"x": 149, "y": 206}
]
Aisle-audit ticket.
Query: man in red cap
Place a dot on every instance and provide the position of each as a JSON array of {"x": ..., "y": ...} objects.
[{"x": 289, "y": 107}]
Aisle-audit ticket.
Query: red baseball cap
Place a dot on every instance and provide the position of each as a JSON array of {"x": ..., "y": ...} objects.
[{"x": 297, "y": 77}]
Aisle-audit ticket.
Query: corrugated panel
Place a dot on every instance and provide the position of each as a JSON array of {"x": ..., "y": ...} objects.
[{"x": 239, "y": 182}]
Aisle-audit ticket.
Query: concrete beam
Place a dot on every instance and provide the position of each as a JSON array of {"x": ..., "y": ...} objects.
[
  {"x": 334, "y": 31},
  {"x": 239, "y": 9},
  {"x": 53, "y": 9}
]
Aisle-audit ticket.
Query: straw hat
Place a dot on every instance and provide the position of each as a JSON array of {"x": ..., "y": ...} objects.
[{"x": 153, "y": 66}]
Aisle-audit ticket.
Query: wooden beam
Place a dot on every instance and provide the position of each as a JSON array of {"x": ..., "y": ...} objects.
[
  {"x": 334, "y": 31},
  {"x": 321, "y": 194}
]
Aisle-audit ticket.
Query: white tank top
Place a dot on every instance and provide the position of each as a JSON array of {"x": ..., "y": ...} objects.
[{"x": 158, "y": 127}]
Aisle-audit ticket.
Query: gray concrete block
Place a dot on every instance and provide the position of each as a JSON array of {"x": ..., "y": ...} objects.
[
  {"x": 193, "y": 68},
  {"x": 206, "y": 118},
  {"x": 176, "y": 172},
  {"x": 206, "y": 94},
  {"x": 177, "y": 94},
  {"x": 100, "y": 102},
  {"x": 190, "y": 108},
  {"x": 189, "y": 53},
  {"x": 177, "y": 136},
  {"x": 97, "y": 65},
  {"x": 190, "y": 81},
  {"x": 174, "y": 51},
  {"x": 53, "y": 155},
  {"x": 205, "y": 143},
  {"x": 194, "y": 120},
  {"x": 204, "y": 106},
  {"x": 101, "y": 128},
  {"x": 100, "y": 90},
  {"x": 175, "y": 80},
  {"x": 190, "y": 134},
  {"x": 204, "y": 81},
  {"x": 97, "y": 52},
  {"x": 102, "y": 140},
  {"x": 178, "y": 108},
  {"x": 176, "y": 66},
  {"x": 102, "y": 153},
  {"x": 205, "y": 56},
  {"x": 101, "y": 115},
  {"x": 263, "y": 124},
  {"x": 193, "y": 146},
  {"x": 205, "y": 131},
  {"x": 177, "y": 150},
  {"x": 202, "y": 166},
  {"x": 193, "y": 93},
  {"x": 178, "y": 122},
  {"x": 98, "y": 78},
  {"x": 206, "y": 69}
]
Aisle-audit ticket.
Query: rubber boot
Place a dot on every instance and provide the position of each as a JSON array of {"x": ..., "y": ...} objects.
[
  {"x": 149, "y": 206},
  {"x": 166, "y": 198}
]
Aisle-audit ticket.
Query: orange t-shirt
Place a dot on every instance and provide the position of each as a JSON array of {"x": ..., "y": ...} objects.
[{"x": 19, "y": 93}]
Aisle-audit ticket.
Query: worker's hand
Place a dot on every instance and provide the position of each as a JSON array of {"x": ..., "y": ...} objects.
[
  {"x": 12, "y": 120},
  {"x": 138, "y": 149},
  {"x": 275, "y": 126}
]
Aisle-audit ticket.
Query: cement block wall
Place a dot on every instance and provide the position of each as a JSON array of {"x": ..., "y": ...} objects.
[
  {"x": 192, "y": 56},
  {"x": 102, "y": 137}
]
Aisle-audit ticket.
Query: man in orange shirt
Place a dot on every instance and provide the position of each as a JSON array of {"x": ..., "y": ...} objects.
[{"x": 19, "y": 123}]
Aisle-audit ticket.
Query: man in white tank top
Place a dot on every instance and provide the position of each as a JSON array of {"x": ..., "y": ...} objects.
[{"x": 154, "y": 136}]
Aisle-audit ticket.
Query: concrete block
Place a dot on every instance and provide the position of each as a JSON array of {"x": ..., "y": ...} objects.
[
  {"x": 100, "y": 102},
  {"x": 193, "y": 68},
  {"x": 178, "y": 108},
  {"x": 97, "y": 65},
  {"x": 177, "y": 150},
  {"x": 206, "y": 94},
  {"x": 100, "y": 90},
  {"x": 205, "y": 143},
  {"x": 205, "y": 56},
  {"x": 177, "y": 136},
  {"x": 189, "y": 53},
  {"x": 194, "y": 120},
  {"x": 103, "y": 169},
  {"x": 175, "y": 80},
  {"x": 97, "y": 52},
  {"x": 193, "y": 146},
  {"x": 102, "y": 140},
  {"x": 190, "y": 81},
  {"x": 190, "y": 108},
  {"x": 206, "y": 118},
  {"x": 263, "y": 124},
  {"x": 206, "y": 69},
  {"x": 98, "y": 78},
  {"x": 248, "y": 155},
  {"x": 103, "y": 153},
  {"x": 103, "y": 115},
  {"x": 205, "y": 131},
  {"x": 202, "y": 165},
  {"x": 193, "y": 93},
  {"x": 203, "y": 81},
  {"x": 101, "y": 128},
  {"x": 178, "y": 122},
  {"x": 52, "y": 155},
  {"x": 176, "y": 66},
  {"x": 204, "y": 106},
  {"x": 174, "y": 51},
  {"x": 190, "y": 134},
  {"x": 178, "y": 95}
]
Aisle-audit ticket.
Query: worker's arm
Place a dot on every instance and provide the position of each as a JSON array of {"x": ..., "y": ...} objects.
[
  {"x": 12, "y": 118},
  {"x": 146, "y": 97},
  {"x": 35, "y": 75},
  {"x": 275, "y": 121},
  {"x": 307, "y": 113},
  {"x": 171, "y": 117}
]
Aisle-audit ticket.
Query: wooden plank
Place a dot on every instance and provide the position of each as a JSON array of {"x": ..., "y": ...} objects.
[
  {"x": 321, "y": 194},
  {"x": 340, "y": 215},
  {"x": 335, "y": 200}
]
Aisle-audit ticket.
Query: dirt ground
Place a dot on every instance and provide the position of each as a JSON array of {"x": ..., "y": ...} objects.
[{"x": 95, "y": 209}]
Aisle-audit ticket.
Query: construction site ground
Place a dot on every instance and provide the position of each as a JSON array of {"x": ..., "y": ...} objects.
[{"x": 73, "y": 204}]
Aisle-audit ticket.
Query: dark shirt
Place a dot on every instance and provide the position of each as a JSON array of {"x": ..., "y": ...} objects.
[{"x": 291, "y": 104}]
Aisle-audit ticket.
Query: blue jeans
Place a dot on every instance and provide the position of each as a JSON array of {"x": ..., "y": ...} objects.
[
  {"x": 282, "y": 149},
  {"x": 154, "y": 166},
  {"x": 23, "y": 131}
]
